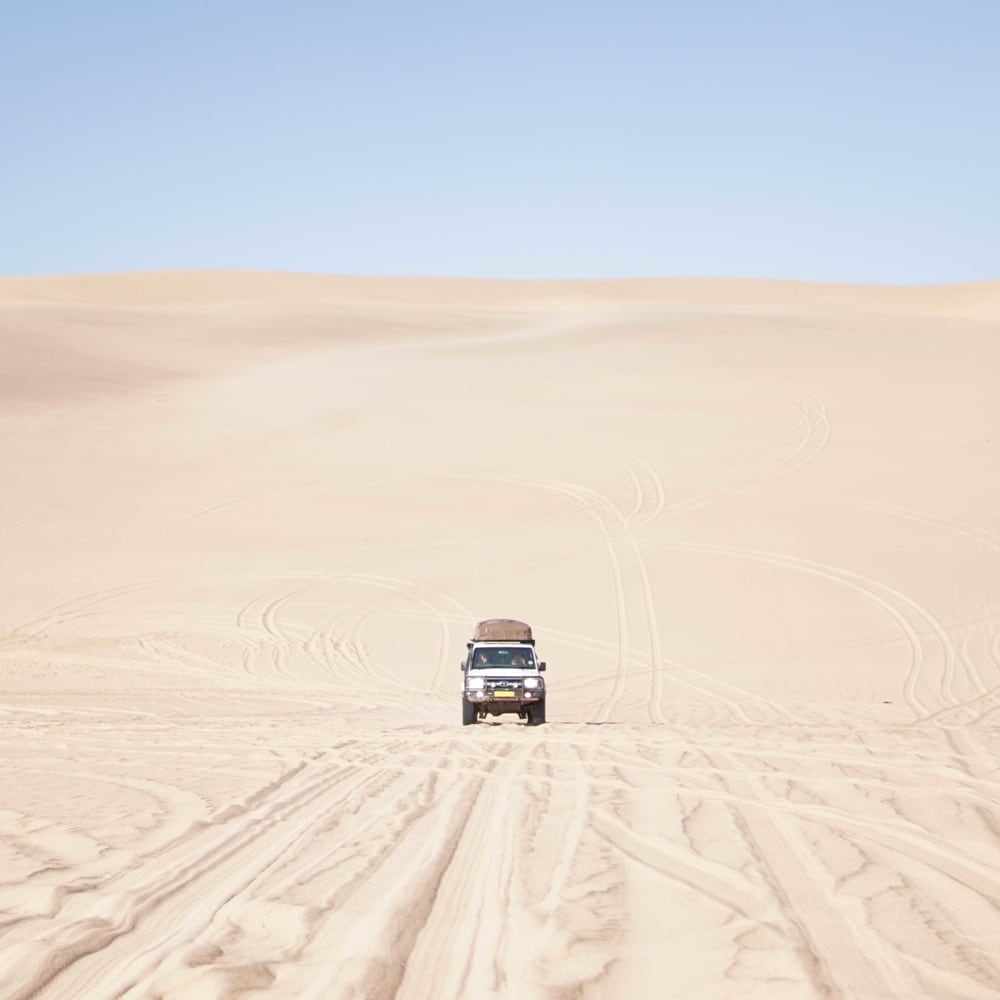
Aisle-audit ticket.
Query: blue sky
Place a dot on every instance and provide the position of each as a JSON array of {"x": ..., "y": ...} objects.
[{"x": 857, "y": 141}]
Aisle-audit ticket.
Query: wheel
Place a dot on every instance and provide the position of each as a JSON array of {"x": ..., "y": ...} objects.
[
  {"x": 536, "y": 714},
  {"x": 469, "y": 714}
]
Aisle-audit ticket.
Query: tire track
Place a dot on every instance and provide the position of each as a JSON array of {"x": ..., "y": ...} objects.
[
  {"x": 145, "y": 903},
  {"x": 450, "y": 873},
  {"x": 640, "y": 515},
  {"x": 983, "y": 536},
  {"x": 895, "y": 604},
  {"x": 305, "y": 855},
  {"x": 815, "y": 434},
  {"x": 850, "y": 960},
  {"x": 75, "y": 608}
]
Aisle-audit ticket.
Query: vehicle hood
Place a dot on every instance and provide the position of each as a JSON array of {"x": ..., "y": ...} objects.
[{"x": 504, "y": 673}]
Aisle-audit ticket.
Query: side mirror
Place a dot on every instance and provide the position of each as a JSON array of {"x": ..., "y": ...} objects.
[
  {"x": 461, "y": 665},
  {"x": 541, "y": 666}
]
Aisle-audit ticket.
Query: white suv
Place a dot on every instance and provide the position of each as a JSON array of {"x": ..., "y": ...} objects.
[{"x": 502, "y": 678}]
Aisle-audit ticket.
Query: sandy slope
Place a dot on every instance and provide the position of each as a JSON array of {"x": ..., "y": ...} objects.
[{"x": 247, "y": 521}]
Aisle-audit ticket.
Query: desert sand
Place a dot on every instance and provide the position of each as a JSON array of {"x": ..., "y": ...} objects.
[{"x": 248, "y": 521}]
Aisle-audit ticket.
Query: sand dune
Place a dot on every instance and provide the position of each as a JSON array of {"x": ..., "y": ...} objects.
[{"x": 248, "y": 521}]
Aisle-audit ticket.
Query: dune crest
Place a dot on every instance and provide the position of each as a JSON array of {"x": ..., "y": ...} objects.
[{"x": 222, "y": 287}]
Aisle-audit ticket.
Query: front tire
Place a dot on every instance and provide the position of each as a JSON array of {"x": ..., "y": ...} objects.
[
  {"x": 469, "y": 714},
  {"x": 536, "y": 714}
]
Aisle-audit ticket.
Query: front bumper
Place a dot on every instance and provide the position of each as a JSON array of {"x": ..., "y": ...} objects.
[{"x": 500, "y": 699}]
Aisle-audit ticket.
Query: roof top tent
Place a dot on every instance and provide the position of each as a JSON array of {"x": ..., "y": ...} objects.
[{"x": 502, "y": 630}]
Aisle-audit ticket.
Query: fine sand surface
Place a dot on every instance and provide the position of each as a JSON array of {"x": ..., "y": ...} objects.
[{"x": 247, "y": 522}]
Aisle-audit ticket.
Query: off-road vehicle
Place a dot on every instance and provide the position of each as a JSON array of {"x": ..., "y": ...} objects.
[{"x": 500, "y": 674}]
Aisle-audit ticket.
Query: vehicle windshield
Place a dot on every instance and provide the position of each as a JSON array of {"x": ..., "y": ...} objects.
[{"x": 518, "y": 657}]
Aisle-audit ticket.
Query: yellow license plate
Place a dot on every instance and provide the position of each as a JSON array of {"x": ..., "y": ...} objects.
[{"x": 503, "y": 694}]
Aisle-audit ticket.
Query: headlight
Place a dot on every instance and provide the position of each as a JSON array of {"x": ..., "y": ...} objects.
[
  {"x": 475, "y": 683},
  {"x": 531, "y": 682}
]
